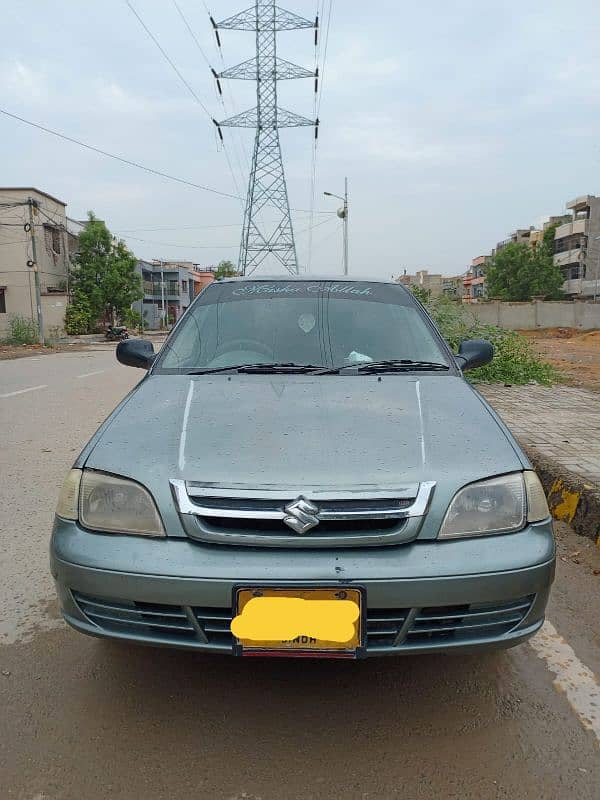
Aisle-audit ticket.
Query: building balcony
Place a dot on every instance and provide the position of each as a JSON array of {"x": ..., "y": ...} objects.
[
  {"x": 582, "y": 287},
  {"x": 567, "y": 257},
  {"x": 170, "y": 291},
  {"x": 569, "y": 228}
]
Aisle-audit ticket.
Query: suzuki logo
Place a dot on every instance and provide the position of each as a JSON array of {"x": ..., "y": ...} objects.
[{"x": 302, "y": 515}]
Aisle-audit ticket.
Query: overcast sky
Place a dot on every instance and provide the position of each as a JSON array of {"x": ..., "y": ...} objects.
[{"x": 455, "y": 123}]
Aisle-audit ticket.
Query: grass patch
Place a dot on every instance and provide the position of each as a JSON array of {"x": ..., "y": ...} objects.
[
  {"x": 514, "y": 360},
  {"x": 22, "y": 331}
]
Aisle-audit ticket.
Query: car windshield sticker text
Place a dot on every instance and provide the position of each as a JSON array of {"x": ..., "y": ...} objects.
[{"x": 300, "y": 288}]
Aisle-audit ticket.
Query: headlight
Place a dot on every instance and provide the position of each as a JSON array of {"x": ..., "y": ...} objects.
[
  {"x": 498, "y": 505},
  {"x": 68, "y": 499},
  {"x": 117, "y": 505}
]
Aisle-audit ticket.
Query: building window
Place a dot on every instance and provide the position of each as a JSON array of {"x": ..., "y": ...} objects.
[
  {"x": 2, "y": 301},
  {"x": 572, "y": 272},
  {"x": 184, "y": 286},
  {"x": 52, "y": 238}
]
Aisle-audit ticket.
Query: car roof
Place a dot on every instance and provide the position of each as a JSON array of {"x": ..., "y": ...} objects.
[{"x": 310, "y": 277}]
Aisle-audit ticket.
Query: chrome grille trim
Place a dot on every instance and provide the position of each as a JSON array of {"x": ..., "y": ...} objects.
[{"x": 404, "y": 503}]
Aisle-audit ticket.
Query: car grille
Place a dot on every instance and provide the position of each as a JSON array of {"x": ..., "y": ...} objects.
[
  {"x": 258, "y": 517},
  {"x": 403, "y": 629},
  {"x": 476, "y": 621},
  {"x": 157, "y": 620}
]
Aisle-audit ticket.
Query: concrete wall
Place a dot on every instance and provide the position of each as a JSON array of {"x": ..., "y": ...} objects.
[
  {"x": 529, "y": 316},
  {"x": 53, "y": 311}
]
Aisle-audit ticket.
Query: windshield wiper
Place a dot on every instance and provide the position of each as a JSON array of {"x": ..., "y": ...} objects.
[
  {"x": 394, "y": 365},
  {"x": 287, "y": 367}
]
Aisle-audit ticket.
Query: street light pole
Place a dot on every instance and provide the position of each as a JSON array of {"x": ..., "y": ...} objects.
[
  {"x": 345, "y": 226},
  {"x": 343, "y": 214}
]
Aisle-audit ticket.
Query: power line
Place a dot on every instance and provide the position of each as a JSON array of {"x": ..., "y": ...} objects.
[
  {"x": 119, "y": 158},
  {"x": 322, "y": 71},
  {"x": 169, "y": 60},
  {"x": 317, "y": 110},
  {"x": 207, "y": 246},
  {"x": 190, "y": 246},
  {"x": 198, "y": 227},
  {"x": 186, "y": 84},
  {"x": 192, "y": 34},
  {"x": 205, "y": 57}
]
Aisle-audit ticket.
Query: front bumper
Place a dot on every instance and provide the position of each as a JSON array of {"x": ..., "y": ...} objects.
[{"x": 421, "y": 597}]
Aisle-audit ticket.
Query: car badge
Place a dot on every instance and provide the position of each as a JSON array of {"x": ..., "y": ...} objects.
[{"x": 302, "y": 515}]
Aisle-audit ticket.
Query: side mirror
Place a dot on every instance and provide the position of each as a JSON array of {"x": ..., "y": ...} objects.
[
  {"x": 136, "y": 353},
  {"x": 474, "y": 353}
]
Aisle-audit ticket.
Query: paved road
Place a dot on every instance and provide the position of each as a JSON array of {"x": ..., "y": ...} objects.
[{"x": 83, "y": 719}]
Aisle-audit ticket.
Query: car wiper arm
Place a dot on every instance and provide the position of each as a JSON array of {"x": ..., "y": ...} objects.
[
  {"x": 395, "y": 365},
  {"x": 266, "y": 367},
  {"x": 289, "y": 367}
]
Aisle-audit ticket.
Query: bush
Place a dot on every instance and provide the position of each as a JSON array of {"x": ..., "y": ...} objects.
[
  {"x": 422, "y": 295},
  {"x": 78, "y": 319},
  {"x": 133, "y": 319},
  {"x": 22, "y": 331},
  {"x": 514, "y": 361}
]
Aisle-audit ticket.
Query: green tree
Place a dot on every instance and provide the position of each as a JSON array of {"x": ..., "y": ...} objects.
[
  {"x": 103, "y": 277},
  {"x": 225, "y": 269},
  {"x": 423, "y": 295},
  {"x": 518, "y": 272},
  {"x": 548, "y": 238}
]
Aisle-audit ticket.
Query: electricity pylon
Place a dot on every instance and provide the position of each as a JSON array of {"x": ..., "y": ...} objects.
[{"x": 267, "y": 222}]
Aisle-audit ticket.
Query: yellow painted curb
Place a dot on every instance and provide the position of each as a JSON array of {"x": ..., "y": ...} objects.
[{"x": 563, "y": 502}]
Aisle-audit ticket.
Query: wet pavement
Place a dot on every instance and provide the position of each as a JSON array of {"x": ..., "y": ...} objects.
[{"x": 83, "y": 718}]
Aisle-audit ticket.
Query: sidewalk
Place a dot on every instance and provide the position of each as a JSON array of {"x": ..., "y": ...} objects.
[{"x": 559, "y": 427}]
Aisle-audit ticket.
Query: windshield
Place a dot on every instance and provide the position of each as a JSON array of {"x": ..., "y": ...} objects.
[{"x": 318, "y": 323}]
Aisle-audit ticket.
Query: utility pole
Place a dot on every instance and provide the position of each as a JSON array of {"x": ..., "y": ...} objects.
[
  {"x": 597, "y": 275},
  {"x": 38, "y": 292},
  {"x": 162, "y": 294},
  {"x": 267, "y": 190},
  {"x": 343, "y": 214}
]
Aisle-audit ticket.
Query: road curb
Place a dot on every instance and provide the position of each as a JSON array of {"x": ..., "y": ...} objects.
[{"x": 571, "y": 498}]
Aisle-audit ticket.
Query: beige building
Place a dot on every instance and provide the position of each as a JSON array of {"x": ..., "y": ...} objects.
[
  {"x": 577, "y": 248},
  {"x": 35, "y": 235},
  {"x": 520, "y": 236},
  {"x": 435, "y": 283}
]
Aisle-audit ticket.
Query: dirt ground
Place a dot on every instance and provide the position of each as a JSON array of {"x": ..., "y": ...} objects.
[
  {"x": 11, "y": 351},
  {"x": 576, "y": 354}
]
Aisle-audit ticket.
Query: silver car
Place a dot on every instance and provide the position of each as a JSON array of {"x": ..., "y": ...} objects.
[{"x": 304, "y": 471}]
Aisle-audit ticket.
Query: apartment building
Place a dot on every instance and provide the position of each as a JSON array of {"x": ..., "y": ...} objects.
[
  {"x": 435, "y": 283},
  {"x": 169, "y": 288},
  {"x": 577, "y": 248},
  {"x": 474, "y": 280},
  {"x": 35, "y": 236},
  {"x": 520, "y": 236}
]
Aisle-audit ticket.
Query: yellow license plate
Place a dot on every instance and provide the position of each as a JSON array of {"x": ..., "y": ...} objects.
[{"x": 298, "y": 620}]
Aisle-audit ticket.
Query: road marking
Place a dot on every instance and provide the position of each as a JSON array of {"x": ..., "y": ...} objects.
[
  {"x": 22, "y": 391},
  {"x": 573, "y": 678},
  {"x": 89, "y": 374},
  {"x": 184, "y": 424}
]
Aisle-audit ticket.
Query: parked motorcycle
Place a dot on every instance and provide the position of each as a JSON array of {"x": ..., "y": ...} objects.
[{"x": 116, "y": 333}]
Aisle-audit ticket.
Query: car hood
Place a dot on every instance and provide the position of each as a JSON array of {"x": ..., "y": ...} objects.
[{"x": 280, "y": 431}]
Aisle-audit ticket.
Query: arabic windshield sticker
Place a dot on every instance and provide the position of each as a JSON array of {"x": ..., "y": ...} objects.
[{"x": 275, "y": 289}]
